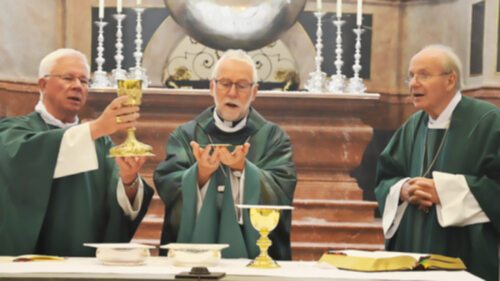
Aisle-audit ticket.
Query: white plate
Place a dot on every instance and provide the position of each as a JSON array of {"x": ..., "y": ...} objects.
[
  {"x": 191, "y": 255},
  {"x": 121, "y": 254},
  {"x": 193, "y": 246},
  {"x": 118, "y": 245},
  {"x": 276, "y": 207}
]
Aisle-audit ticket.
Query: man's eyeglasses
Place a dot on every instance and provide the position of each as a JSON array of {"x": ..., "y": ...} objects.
[
  {"x": 423, "y": 77},
  {"x": 70, "y": 78},
  {"x": 225, "y": 85}
]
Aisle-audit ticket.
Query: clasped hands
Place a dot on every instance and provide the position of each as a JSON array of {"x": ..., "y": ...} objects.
[
  {"x": 210, "y": 157},
  {"x": 420, "y": 191}
]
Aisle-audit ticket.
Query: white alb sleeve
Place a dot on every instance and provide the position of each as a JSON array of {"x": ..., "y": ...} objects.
[
  {"x": 458, "y": 205},
  {"x": 77, "y": 152},
  {"x": 131, "y": 210},
  {"x": 393, "y": 211}
]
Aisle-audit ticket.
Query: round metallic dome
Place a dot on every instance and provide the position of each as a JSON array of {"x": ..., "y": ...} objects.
[{"x": 235, "y": 24}]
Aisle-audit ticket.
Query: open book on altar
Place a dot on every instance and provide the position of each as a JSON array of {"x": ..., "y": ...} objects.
[{"x": 389, "y": 261}]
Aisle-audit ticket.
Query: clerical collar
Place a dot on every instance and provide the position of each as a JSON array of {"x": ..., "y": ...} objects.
[
  {"x": 443, "y": 120},
  {"x": 229, "y": 126},
  {"x": 50, "y": 119}
]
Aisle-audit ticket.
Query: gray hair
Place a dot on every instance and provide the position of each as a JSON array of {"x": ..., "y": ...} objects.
[
  {"x": 235, "y": 55},
  {"x": 451, "y": 63},
  {"x": 49, "y": 61}
]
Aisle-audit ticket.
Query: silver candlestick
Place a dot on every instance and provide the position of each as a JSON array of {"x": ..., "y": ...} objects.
[
  {"x": 118, "y": 73},
  {"x": 337, "y": 81},
  {"x": 356, "y": 85},
  {"x": 318, "y": 78},
  {"x": 138, "y": 72},
  {"x": 100, "y": 77}
]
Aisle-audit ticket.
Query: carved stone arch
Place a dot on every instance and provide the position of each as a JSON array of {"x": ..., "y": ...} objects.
[
  {"x": 162, "y": 43},
  {"x": 169, "y": 35}
]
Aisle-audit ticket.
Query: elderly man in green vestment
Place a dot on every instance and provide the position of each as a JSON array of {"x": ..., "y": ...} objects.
[
  {"x": 438, "y": 179},
  {"x": 58, "y": 188},
  {"x": 202, "y": 180}
]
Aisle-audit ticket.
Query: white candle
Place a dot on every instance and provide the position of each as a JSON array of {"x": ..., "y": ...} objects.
[
  {"x": 101, "y": 9},
  {"x": 319, "y": 5},
  {"x": 119, "y": 6},
  {"x": 139, "y": 2},
  {"x": 359, "y": 17},
  {"x": 339, "y": 8}
]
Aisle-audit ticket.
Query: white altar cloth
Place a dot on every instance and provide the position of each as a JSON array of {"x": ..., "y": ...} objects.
[{"x": 160, "y": 266}]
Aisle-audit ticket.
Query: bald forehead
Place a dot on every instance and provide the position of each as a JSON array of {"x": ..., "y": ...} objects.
[
  {"x": 235, "y": 61},
  {"x": 428, "y": 58},
  {"x": 235, "y": 66},
  {"x": 71, "y": 63}
]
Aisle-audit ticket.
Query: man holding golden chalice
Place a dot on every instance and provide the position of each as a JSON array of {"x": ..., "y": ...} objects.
[{"x": 132, "y": 89}]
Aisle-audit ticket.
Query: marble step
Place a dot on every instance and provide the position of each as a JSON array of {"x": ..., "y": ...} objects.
[
  {"x": 321, "y": 231},
  {"x": 305, "y": 209},
  {"x": 334, "y": 210},
  {"x": 150, "y": 228},
  {"x": 343, "y": 188},
  {"x": 318, "y": 231}
]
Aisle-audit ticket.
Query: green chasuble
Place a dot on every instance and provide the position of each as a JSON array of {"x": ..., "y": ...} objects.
[
  {"x": 270, "y": 179},
  {"x": 43, "y": 215},
  {"x": 471, "y": 147}
]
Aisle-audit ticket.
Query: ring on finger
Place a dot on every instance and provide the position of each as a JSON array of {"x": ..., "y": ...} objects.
[{"x": 118, "y": 119}]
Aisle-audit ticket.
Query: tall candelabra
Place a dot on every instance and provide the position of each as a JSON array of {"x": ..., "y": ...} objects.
[
  {"x": 356, "y": 85},
  {"x": 118, "y": 73},
  {"x": 100, "y": 77},
  {"x": 138, "y": 72},
  {"x": 337, "y": 81},
  {"x": 316, "y": 82}
]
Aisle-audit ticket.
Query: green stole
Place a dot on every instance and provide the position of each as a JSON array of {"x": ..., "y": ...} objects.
[
  {"x": 217, "y": 221},
  {"x": 434, "y": 140}
]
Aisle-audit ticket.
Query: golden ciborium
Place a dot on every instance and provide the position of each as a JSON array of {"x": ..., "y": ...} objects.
[
  {"x": 264, "y": 219},
  {"x": 131, "y": 146}
]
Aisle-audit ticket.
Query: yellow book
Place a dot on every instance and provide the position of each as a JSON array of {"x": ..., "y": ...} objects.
[
  {"x": 27, "y": 258},
  {"x": 397, "y": 263}
]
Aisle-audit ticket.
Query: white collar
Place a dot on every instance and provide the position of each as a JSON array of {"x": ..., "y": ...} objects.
[
  {"x": 228, "y": 126},
  {"x": 443, "y": 120},
  {"x": 50, "y": 119}
]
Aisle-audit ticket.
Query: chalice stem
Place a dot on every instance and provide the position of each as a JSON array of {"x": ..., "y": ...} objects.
[
  {"x": 131, "y": 134},
  {"x": 264, "y": 243}
]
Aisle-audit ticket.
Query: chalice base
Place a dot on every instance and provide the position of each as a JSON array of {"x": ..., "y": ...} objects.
[
  {"x": 131, "y": 147},
  {"x": 263, "y": 262}
]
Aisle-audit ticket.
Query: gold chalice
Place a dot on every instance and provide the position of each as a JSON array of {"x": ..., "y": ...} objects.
[
  {"x": 131, "y": 146},
  {"x": 264, "y": 219}
]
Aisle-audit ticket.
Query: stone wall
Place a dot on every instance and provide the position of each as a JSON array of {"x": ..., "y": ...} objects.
[{"x": 30, "y": 29}]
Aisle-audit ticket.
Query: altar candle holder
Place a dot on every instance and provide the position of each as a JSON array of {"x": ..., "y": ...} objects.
[
  {"x": 100, "y": 78},
  {"x": 318, "y": 78},
  {"x": 356, "y": 85}
]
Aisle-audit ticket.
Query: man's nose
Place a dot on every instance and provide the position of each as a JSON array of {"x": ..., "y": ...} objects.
[
  {"x": 77, "y": 82},
  {"x": 232, "y": 91},
  {"x": 413, "y": 82}
]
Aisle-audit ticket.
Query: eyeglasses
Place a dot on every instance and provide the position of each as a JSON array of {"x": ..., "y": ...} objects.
[
  {"x": 70, "y": 78},
  {"x": 423, "y": 77},
  {"x": 225, "y": 85}
]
